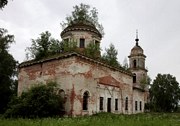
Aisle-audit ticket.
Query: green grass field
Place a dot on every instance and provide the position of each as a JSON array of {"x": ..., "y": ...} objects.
[{"x": 102, "y": 119}]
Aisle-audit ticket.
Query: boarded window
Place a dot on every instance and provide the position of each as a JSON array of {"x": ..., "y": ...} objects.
[
  {"x": 85, "y": 100},
  {"x": 82, "y": 43},
  {"x": 140, "y": 105},
  {"x": 101, "y": 103},
  {"x": 136, "y": 105},
  {"x": 126, "y": 103},
  {"x": 116, "y": 104}
]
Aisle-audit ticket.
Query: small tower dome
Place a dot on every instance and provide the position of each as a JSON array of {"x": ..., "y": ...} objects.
[{"x": 137, "y": 50}]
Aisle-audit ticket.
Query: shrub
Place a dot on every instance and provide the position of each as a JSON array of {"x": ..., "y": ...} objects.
[{"x": 40, "y": 101}]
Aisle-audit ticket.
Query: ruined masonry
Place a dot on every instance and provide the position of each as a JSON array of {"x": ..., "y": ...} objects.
[{"x": 88, "y": 85}]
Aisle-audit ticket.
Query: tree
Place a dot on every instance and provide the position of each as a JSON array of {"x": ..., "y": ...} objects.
[
  {"x": 43, "y": 46},
  {"x": 145, "y": 81},
  {"x": 92, "y": 50},
  {"x": 110, "y": 56},
  {"x": 8, "y": 69},
  {"x": 125, "y": 64},
  {"x": 69, "y": 46},
  {"x": 83, "y": 14},
  {"x": 3, "y": 3},
  {"x": 165, "y": 93},
  {"x": 39, "y": 101}
]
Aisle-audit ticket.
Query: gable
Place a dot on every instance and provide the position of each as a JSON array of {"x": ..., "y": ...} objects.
[{"x": 109, "y": 80}]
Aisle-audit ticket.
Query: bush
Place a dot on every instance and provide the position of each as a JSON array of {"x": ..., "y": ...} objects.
[{"x": 40, "y": 101}]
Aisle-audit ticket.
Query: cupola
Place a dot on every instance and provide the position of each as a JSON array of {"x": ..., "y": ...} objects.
[{"x": 83, "y": 33}]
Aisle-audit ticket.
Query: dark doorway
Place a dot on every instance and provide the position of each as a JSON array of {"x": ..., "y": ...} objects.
[{"x": 109, "y": 105}]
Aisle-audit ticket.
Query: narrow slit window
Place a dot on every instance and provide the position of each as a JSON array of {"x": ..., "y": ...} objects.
[
  {"x": 136, "y": 105},
  {"x": 101, "y": 103},
  {"x": 126, "y": 104},
  {"x": 140, "y": 105},
  {"x": 134, "y": 78},
  {"x": 116, "y": 104}
]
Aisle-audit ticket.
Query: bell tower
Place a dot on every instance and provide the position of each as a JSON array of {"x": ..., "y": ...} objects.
[{"x": 137, "y": 63}]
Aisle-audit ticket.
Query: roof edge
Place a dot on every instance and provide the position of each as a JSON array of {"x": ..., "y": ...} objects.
[
  {"x": 69, "y": 54},
  {"x": 81, "y": 27}
]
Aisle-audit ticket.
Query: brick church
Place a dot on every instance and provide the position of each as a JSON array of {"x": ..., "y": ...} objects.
[{"x": 89, "y": 85}]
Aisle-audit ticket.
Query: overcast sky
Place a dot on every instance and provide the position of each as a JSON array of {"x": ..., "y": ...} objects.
[{"x": 157, "y": 21}]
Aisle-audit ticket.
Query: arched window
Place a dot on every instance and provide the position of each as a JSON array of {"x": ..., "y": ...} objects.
[
  {"x": 85, "y": 100},
  {"x": 134, "y": 78},
  {"x": 134, "y": 63},
  {"x": 126, "y": 104},
  {"x": 61, "y": 93}
]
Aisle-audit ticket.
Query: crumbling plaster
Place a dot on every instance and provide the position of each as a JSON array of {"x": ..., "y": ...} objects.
[{"x": 75, "y": 75}]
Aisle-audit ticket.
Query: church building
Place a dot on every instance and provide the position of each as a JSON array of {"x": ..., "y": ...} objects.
[{"x": 88, "y": 85}]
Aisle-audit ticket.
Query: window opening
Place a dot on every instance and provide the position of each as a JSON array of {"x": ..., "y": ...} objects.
[
  {"x": 85, "y": 100},
  {"x": 82, "y": 43},
  {"x": 136, "y": 105},
  {"x": 109, "y": 105},
  {"x": 61, "y": 93},
  {"x": 97, "y": 43},
  {"x": 134, "y": 63},
  {"x": 140, "y": 105},
  {"x": 116, "y": 104},
  {"x": 134, "y": 78},
  {"x": 126, "y": 104},
  {"x": 101, "y": 103},
  {"x": 66, "y": 40}
]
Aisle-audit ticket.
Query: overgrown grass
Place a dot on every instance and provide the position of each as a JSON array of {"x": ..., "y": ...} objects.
[{"x": 102, "y": 119}]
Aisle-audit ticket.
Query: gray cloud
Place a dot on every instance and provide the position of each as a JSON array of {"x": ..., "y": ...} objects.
[{"x": 158, "y": 22}]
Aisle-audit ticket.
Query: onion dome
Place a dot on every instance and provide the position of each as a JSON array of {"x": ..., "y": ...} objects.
[{"x": 137, "y": 50}]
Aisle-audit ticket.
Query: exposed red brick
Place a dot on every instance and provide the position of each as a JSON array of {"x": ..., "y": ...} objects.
[{"x": 109, "y": 80}]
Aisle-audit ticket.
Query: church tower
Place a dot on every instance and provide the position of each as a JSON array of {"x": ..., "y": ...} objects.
[
  {"x": 82, "y": 33},
  {"x": 137, "y": 64}
]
